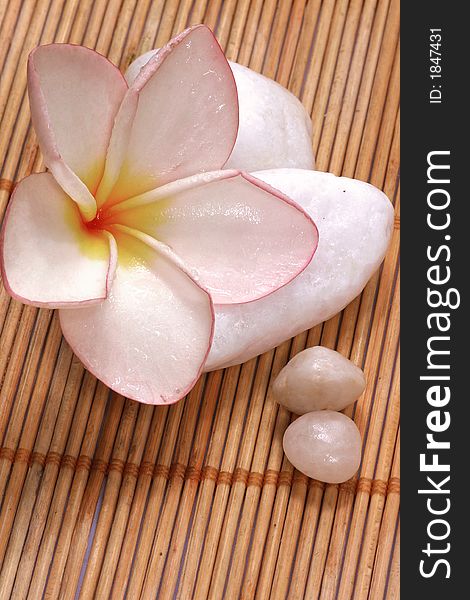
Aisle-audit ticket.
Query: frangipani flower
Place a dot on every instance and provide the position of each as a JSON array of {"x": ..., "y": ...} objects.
[{"x": 135, "y": 232}]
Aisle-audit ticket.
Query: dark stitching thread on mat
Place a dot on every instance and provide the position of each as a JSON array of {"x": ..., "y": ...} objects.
[{"x": 177, "y": 470}]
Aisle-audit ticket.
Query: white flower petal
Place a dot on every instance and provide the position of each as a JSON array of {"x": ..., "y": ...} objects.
[
  {"x": 48, "y": 257},
  {"x": 185, "y": 121},
  {"x": 275, "y": 130},
  {"x": 74, "y": 94},
  {"x": 149, "y": 339},
  {"x": 240, "y": 237}
]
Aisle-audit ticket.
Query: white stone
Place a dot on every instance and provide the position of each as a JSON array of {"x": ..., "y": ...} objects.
[
  {"x": 317, "y": 379},
  {"x": 324, "y": 445},
  {"x": 274, "y": 130},
  {"x": 354, "y": 221}
]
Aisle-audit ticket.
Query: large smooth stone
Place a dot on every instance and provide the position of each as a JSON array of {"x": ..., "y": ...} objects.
[
  {"x": 318, "y": 378},
  {"x": 274, "y": 129},
  {"x": 354, "y": 221},
  {"x": 325, "y": 445}
]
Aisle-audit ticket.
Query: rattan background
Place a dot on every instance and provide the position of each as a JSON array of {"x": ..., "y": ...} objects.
[{"x": 103, "y": 495}]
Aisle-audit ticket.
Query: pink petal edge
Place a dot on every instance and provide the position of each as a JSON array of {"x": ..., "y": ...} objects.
[
  {"x": 168, "y": 253},
  {"x": 122, "y": 143},
  {"x": 142, "y": 213},
  {"x": 275, "y": 192},
  {"x": 52, "y": 305},
  {"x": 64, "y": 174}
]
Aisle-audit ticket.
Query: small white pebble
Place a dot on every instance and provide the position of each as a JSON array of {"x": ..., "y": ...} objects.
[
  {"x": 324, "y": 445},
  {"x": 316, "y": 379}
]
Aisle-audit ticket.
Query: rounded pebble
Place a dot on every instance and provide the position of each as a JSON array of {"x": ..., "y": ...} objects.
[
  {"x": 324, "y": 445},
  {"x": 317, "y": 379}
]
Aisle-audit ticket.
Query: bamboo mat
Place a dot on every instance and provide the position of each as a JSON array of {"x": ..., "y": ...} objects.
[{"x": 100, "y": 495}]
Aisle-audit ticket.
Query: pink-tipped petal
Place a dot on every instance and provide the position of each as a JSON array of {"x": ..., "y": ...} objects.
[
  {"x": 149, "y": 339},
  {"x": 243, "y": 238},
  {"x": 186, "y": 120},
  {"x": 75, "y": 94},
  {"x": 49, "y": 258}
]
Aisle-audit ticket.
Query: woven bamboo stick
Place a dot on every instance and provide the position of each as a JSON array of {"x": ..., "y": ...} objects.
[
  {"x": 360, "y": 80},
  {"x": 110, "y": 497},
  {"x": 389, "y": 523},
  {"x": 276, "y": 39},
  {"x": 8, "y": 21},
  {"x": 304, "y": 47},
  {"x": 289, "y": 539},
  {"x": 110, "y": 554},
  {"x": 3, "y": 9},
  {"x": 192, "y": 475},
  {"x": 224, "y": 22},
  {"x": 330, "y": 86},
  {"x": 393, "y": 588},
  {"x": 250, "y": 31},
  {"x": 160, "y": 544},
  {"x": 291, "y": 40},
  {"x": 44, "y": 437},
  {"x": 317, "y": 53},
  {"x": 306, "y": 539},
  {"x": 137, "y": 508},
  {"x": 236, "y": 460},
  {"x": 182, "y": 17},
  {"x": 72, "y": 541},
  {"x": 346, "y": 499},
  {"x": 54, "y": 462},
  {"x": 166, "y": 24},
  {"x": 265, "y": 494},
  {"x": 362, "y": 496},
  {"x": 4, "y": 304},
  {"x": 35, "y": 383},
  {"x": 15, "y": 79},
  {"x": 132, "y": 44},
  {"x": 240, "y": 516},
  {"x": 382, "y": 301},
  {"x": 379, "y": 498},
  {"x": 237, "y": 30},
  {"x": 273, "y": 489},
  {"x": 222, "y": 422},
  {"x": 13, "y": 351},
  {"x": 374, "y": 83},
  {"x": 15, "y": 56},
  {"x": 212, "y": 13},
  {"x": 159, "y": 483},
  {"x": 198, "y": 10},
  {"x": 157, "y": 491},
  {"x": 262, "y": 36},
  {"x": 213, "y": 520}
]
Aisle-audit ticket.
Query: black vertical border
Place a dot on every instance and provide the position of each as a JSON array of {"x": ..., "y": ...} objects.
[{"x": 428, "y": 127}]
